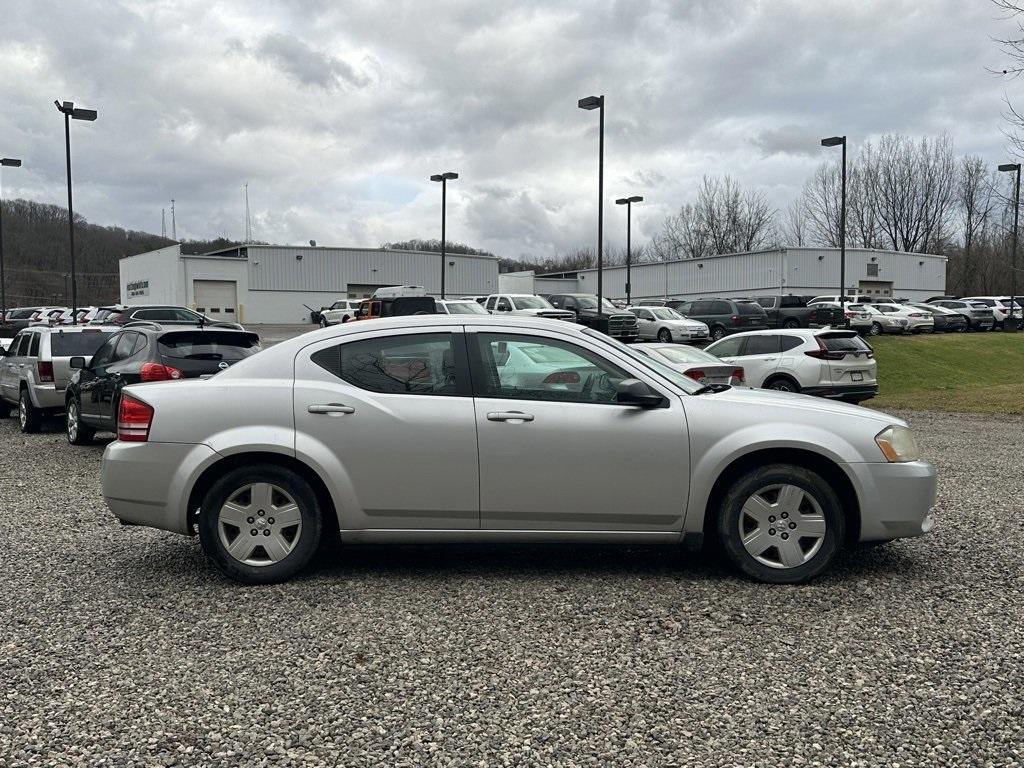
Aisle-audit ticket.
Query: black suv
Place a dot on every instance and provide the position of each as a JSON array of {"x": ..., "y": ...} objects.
[
  {"x": 724, "y": 316},
  {"x": 164, "y": 314},
  {"x": 145, "y": 352},
  {"x": 615, "y": 322}
]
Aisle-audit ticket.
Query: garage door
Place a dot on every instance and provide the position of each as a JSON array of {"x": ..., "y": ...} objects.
[{"x": 216, "y": 298}]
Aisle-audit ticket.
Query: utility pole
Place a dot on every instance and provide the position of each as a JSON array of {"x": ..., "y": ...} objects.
[
  {"x": 174, "y": 225},
  {"x": 163, "y": 222},
  {"x": 248, "y": 226}
]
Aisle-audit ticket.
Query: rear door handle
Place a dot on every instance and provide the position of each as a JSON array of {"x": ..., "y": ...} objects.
[
  {"x": 331, "y": 408},
  {"x": 509, "y": 416}
]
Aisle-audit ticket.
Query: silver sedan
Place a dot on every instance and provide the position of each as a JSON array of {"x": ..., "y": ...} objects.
[
  {"x": 666, "y": 325},
  {"x": 409, "y": 429}
]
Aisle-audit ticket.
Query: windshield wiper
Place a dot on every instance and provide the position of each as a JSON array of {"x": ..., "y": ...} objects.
[{"x": 711, "y": 388}]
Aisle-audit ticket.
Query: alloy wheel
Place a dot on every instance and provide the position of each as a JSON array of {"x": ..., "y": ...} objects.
[
  {"x": 22, "y": 413},
  {"x": 72, "y": 421},
  {"x": 876, "y": 329},
  {"x": 782, "y": 526},
  {"x": 259, "y": 524}
]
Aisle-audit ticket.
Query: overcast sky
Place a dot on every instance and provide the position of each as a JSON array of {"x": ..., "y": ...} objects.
[{"x": 336, "y": 112}]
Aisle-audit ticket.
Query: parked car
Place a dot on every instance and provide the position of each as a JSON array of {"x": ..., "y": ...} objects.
[
  {"x": 340, "y": 311},
  {"x": 857, "y": 319},
  {"x": 978, "y": 316},
  {"x": 1000, "y": 306},
  {"x": 525, "y": 304},
  {"x": 36, "y": 369},
  {"x": 702, "y": 367},
  {"x": 459, "y": 307},
  {"x": 666, "y": 325},
  {"x": 285, "y": 447},
  {"x": 164, "y": 314},
  {"x": 882, "y": 322},
  {"x": 945, "y": 320},
  {"x": 725, "y": 316},
  {"x": 612, "y": 321},
  {"x": 16, "y": 319},
  {"x": 918, "y": 320},
  {"x": 144, "y": 353},
  {"x": 397, "y": 306},
  {"x": 824, "y": 362},
  {"x": 793, "y": 311}
]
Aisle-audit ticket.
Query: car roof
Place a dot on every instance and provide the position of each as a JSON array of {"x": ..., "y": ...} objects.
[{"x": 804, "y": 332}]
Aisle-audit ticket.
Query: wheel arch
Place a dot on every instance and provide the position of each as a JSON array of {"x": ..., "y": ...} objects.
[
  {"x": 829, "y": 470},
  {"x": 782, "y": 375},
  {"x": 215, "y": 471}
]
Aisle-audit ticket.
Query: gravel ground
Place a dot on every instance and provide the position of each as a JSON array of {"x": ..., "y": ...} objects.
[{"x": 119, "y": 646}]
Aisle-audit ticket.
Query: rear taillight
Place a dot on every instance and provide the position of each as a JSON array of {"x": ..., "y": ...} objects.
[
  {"x": 696, "y": 374},
  {"x": 823, "y": 353},
  {"x": 159, "y": 372},
  {"x": 134, "y": 419},
  {"x": 735, "y": 319},
  {"x": 563, "y": 377},
  {"x": 44, "y": 372},
  {"x": 738, "y": 374}
]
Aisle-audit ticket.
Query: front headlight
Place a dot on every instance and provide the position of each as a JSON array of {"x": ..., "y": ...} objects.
[{"x": 898, "y": 444}]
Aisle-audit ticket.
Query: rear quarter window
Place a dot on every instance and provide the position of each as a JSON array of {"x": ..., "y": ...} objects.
[{"x": 844, "y": 343}]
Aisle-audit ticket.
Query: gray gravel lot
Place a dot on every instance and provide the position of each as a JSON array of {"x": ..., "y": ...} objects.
[{"x": 119, "y": 646}]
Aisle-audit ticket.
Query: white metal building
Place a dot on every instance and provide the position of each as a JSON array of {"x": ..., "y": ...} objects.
[
  {"x": 801, "y": 271},
  {"x": 273, "y": 283}
]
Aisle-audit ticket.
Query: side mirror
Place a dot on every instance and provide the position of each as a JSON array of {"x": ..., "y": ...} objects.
[
  {"x": 77, "y": 362},
  {"x": 635, "y": 392}
]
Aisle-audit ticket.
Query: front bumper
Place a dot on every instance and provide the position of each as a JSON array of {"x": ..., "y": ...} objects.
[
  {"x": 149, "y": 483},
  {"x": 896, "y": 499}
]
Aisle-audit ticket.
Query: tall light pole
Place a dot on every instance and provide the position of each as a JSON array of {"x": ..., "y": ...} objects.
[
  {"x": 1010, "y": 323},
  {"x": 628, "y": 202},
  {"x": 6, "y": 162},
  {"x": 835, "y": 141},
  {"x": 71, "y": 113},
  {"x": 588, "y": 103},
  {"x": 444, "y": 178}
]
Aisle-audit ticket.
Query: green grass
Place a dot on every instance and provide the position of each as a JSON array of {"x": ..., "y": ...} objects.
[{"x": 966, "y": 372}]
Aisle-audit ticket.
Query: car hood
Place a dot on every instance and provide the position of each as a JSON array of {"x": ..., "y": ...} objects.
[{"x": 761, "y": 398}]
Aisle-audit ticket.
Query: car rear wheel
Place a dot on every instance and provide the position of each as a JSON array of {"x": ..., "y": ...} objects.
[
  {"x": 29, "y": 417},
  {"x": 260, "y": 524},
  {"x": 791, "y": 323},
  {"x": 782, "y": 384},
  {"x": 781, "y": 524},
  {"x": 77, "y": 432},
  {"x": 876, "y": 329},
  {"x": 665, "y": 336}
]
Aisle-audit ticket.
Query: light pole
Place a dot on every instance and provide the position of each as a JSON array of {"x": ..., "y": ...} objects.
[
  {"x": 835, "y": 141},
  {"x": 6, "y": 162},
  {"x": 588, "y": 103},
  {"x": 444, "y": 178},
  {"x": 1010, "y": 323},
  {"x": 628, "y": 202},
  {"x": 71, "y": 113}
]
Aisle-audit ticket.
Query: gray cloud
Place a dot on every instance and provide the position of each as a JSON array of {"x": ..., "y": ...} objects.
[{"x": 337, "y": 113}]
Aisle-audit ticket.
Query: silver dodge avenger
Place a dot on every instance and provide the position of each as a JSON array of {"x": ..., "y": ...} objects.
[{"x": 477, "y": 429}]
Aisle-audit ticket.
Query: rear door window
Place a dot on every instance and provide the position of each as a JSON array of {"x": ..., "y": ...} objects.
[
  {"x": 419, "y": 364},
  {"x": 767, "y": 344},
  {"x": 491, "y": 301},
  {"x": 208, "y": 345},
  {"x": 125, "y": 346}
]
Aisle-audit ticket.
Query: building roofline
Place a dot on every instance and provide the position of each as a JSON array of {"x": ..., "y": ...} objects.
[{"x": 246, "y": 248}]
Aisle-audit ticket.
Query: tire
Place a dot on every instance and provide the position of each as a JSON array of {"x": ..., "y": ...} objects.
[
  {"x": 323, "y": 322},
  {"x": 791, "y": 323},
  {"x": 876, "y": 330},
  {"x": 808, "y": 503},
  {"x": 294, "y": 543},
  {"x": 665, "y": 336},
  {"x": 717, "y": 333},
  {"x": 29, "y": 417},
  {"x": 781, "y": 384},
  {"x": 76, "y": 432}
]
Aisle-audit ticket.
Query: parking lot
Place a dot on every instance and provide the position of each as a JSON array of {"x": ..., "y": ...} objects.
[{"x": 121, "y": 646}]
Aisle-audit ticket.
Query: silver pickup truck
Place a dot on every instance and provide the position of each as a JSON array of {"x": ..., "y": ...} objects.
[{"x": 35, "y": 369}]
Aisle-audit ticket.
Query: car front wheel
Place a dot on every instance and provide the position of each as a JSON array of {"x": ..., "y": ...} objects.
[
  {"x": 260, "y": 524},
  {"x": 78, "y": 433},
  {"x": 781, "y": 524}
]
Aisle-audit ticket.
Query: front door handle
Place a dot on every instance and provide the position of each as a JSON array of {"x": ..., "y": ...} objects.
[
  {"x": 516, "y": 416},
  {"x": 331, "y": 408}
]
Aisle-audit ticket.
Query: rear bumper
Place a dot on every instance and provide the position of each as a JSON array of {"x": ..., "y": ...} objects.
[
  {"x": 46, "y": 397},
  {"x": 149, "y": 483},
  {"x": 858, "y": 391},
  {"x": 896, "y": 499}
]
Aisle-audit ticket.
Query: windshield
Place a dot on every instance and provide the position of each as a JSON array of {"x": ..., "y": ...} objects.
[
  {"x": 465, "y": 308},
  {"x": 684, "y": 383},
  {"x": 530, "y": 302},
  {"x": 666, "y": 313}
]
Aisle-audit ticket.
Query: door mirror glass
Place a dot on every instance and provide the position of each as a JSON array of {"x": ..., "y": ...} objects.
[
  {"x": 635, "y": 392},
  {"x": 77, "y": 362}
]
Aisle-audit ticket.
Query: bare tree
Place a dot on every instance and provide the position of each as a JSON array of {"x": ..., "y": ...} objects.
[{"x": 794, "y": 227}]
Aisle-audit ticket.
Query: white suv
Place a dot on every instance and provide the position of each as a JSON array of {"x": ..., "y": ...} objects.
[
  {"x": 340, "y": 311},
  {"x": 828, "y": 363},
  {"x": 1000, "y": 306}
]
